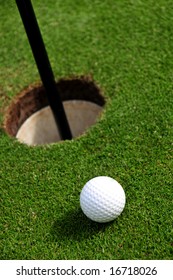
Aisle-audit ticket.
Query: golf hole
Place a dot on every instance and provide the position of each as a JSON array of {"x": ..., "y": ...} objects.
[{"x": 30, "y": 119}]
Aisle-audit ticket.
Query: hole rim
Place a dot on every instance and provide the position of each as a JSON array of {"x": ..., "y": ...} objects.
[{"x": 33, "y": 98}]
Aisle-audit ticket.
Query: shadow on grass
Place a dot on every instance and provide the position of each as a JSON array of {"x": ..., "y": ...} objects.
[
  {"x": 2, "y": 132},
  {"x": 76, "y": 226}
]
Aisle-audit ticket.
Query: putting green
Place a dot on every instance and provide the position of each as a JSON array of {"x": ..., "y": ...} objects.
[{"x": 126, "y": 47}]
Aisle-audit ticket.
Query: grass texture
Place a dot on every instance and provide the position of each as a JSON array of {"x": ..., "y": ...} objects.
[{"x": 127, "y": 47}]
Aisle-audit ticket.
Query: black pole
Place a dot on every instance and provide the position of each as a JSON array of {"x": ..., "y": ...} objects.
[{"x": 39, "y": 52}]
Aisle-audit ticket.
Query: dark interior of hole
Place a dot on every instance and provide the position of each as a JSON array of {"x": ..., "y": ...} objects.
[
  {"x": 33, "y": 99},
  {"x": 80, "y": 89}
]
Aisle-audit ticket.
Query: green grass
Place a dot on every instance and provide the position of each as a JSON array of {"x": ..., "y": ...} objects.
[{"x": 127, "y": 46}]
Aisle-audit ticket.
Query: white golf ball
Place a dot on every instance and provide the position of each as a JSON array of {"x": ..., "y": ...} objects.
[{"x": 102, "y": 199}]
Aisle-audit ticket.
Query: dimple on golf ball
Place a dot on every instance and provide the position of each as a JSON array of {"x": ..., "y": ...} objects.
[{"x": 102, "y": 199}]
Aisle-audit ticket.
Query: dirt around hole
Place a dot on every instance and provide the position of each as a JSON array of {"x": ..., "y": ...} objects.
[{"x": 33, "y": 99}]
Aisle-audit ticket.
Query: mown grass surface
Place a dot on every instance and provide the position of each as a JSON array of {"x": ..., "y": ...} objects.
[{"x": 127, "y": 46}]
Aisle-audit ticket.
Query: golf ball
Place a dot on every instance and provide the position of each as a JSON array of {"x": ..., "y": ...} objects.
[{"x": 102, "y": 199}]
